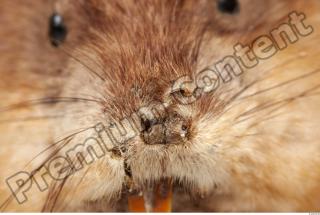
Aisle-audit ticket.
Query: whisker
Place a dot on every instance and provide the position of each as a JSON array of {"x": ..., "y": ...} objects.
[
  {"x": 83, "y": 64},
  {"x": 83, "y": 53},
  {"x": 199, "y": 41},
  {"x": 53, "y": 195},
  {"x": 76, "y": 112},
  {"x": 78, "y": 184},
  {"x": 281, "y": 103},
  {"x": 283, "y": 84},
  {"x": 266, "y": 119},
  {"x": 11, "y": 196},
  {"x": 30, "y": 119},
  {"x": 263, "y": 107},
  {"x": 46, "y": 101},
  {"x": 64, "y": 142},
  {"x": 92, "y": 97},
  {"x": 58, "y": 142},
  {"x": 241, "y": 99},
  {"x": 251, "y": 84}
]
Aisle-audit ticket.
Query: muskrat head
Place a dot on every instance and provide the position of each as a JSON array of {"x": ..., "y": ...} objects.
[
  {"x": 128, "y": 61},
  {"x": 146, "y": 73}
]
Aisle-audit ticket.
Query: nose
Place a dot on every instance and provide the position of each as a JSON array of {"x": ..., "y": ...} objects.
[
  {"x": 153, "y": 131},
  {"x": 169, "y": 130}
]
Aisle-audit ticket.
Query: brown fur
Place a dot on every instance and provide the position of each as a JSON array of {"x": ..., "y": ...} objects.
[{"x": 258, "y": 151}]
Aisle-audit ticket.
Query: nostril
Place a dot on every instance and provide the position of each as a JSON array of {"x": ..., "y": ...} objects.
[
  {"x": 184, "y": 128},
  {"x": 147, "y": 124},
  {"x": 184, "y": 131}
]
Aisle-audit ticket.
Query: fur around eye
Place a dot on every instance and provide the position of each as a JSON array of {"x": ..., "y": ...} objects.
[
  {"x": 57, "y": 30},
  {"x": 228, "y": 6}
]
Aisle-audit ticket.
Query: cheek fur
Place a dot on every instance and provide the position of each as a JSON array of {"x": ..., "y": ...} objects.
[{"x": 259, "y": 152}]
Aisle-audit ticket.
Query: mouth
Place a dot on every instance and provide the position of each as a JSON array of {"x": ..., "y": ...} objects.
[{"x": 152, "y": 198}]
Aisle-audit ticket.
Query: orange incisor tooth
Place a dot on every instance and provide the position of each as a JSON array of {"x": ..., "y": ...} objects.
[{"x": 154, "y": 199}]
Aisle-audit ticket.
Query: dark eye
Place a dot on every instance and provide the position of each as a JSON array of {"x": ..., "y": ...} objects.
[
  {"x": 58, "y": 31},
  {"x": 228, "y": 6}
]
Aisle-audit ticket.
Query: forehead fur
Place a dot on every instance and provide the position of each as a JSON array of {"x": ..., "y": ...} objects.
[{"x": 143, "y": 45}]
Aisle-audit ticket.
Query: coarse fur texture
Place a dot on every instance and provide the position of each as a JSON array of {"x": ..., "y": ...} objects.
[{"x": 253, "y": 144}]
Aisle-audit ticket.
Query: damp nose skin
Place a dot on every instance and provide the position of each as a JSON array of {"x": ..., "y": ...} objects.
[
  {"x": 171, "y": 130},
  {"x": 155, "y": 135}
]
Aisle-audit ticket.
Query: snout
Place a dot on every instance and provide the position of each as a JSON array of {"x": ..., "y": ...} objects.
[{"x": 172, "y": 129}]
